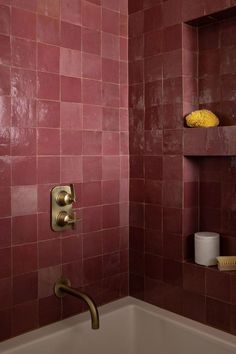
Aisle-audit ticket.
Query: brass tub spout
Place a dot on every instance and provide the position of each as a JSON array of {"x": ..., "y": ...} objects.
[{"x": 63, "y": 287}]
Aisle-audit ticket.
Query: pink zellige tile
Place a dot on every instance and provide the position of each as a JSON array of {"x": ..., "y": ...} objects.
[
  {"x": 110, "y": 70},
  {"x": 26, "y": 164},
  {"x": 71, "y": 115},
  {"x": 29, "y": 193},
  {"x": 111, "y": 167},
  {"x": 49, "y": 310},
  {"x": 23, "y": 83},
  {"x": 71, "y": 11},
  {"x": 48, "y": 114},
  {"x": 48, "y": 169},
  {"x": 24, "y": 229},
  {"x": 110, "y": 120},
  {"x": 5, "y": 232},
  {"x": 110, "y": 21},
  {"x": 23, "y": 24},
  {"x": 48, "y": 30},
  {"x": 71, "y": 249},
  {"x": 110, "y": 46},
  {"x": 48, "y": 141},
  {"x": 92, "y": 269},
  {"x": 70, "y": 36},
  {"x": 5, "y": 207},
  {"x": 24, "y": 258},
  {"x": 91, "y": 66},
  {"x": 92, "y": 244},
  {"x": 111, "y": 216},
  {"x": 23, "y": 112},
  {"x": 5, "y": 317},
  {"x": 92, "y": 219},
  {"x": 5, "y": 293},
  {"x": 71, "y": 142},
  {"x": 23, "y": 142},
  {"x": 70, "y": 89},
  {"x": 5, "y": 270},
  {"x": 25, "y": 4},
  {"x": 92, "y": 92},
  {"x": 91, "y": 41},
  {"x": 48, "y": 86},
  {"x": 71, "y": 169},
  {"x": 5, "y": 49},
  {"x": 23, "y": 53},
  {"x": 49, "y": 8},
  {"x": 91, "y": 193},
  {"x": 92, "y": 168},
  {"x": 4, "y": 19},
  {"x": 5, "y": 178},
  {"x": 110, "y": 143},
  {"x": 48, "y": 58},
  {"x": 92, "y": 143},
  {"x": 92, "y": 117},
  {"x": 70, "y": 62},
  {"x": 5, "y": 113},
  {"x": 110, "y": 191},
  {"x": 91, "y": 16},
  {"x": 110, "y": 95},
  {"x": 49, "y": 253},
  {"x": 25, "y": 317}
]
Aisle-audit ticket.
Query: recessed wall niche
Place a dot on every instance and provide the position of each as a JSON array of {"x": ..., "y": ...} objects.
[
  {"x": 209, "y": 65},
  {"x": 210, "y": 200},
  {"x": 209, "y": 70}
]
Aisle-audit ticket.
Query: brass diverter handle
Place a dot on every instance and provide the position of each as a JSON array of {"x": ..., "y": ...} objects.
[
  {"x": 63, "y": 219},
  {"x": 62, "y": 213}
]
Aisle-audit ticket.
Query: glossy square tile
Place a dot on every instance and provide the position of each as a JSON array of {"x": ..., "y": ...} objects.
[
  {"x": 23, "y": 23},
  {"x": 48, "y": 86},
  {"x": 48, "y": 30},
  {"x": 70, "y": 89},
  {"x": 70, "y": 62},
  {"x": 4, "y": 19},
  {"x": 48, "y": 58},
  {"x": 70, "y": 36},
  {"x": 91, "y": 16},
  {"x": 91, "y": 41},
  {"x": 23, "y": 53},
  {"x": 71, "y": 11}
]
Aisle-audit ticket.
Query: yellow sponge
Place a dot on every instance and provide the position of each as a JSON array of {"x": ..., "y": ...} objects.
[{"x": 202, "y": 118}]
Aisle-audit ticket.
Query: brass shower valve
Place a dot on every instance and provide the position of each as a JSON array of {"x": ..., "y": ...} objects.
[
  {"x": 65, "y": 198},
  {"x": 63, "y": 216}
]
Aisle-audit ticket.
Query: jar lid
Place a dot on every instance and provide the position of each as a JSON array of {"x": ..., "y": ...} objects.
[{"x": 206, "y": 234}]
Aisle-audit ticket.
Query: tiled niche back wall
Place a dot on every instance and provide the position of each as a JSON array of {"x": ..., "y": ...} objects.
[
  {"x": 164, "y": 184},
  {"x": 63, "y": 119},
  {"x": 213, "y": 68}
]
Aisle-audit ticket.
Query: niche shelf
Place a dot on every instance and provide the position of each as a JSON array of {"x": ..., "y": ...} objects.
[{"x": 217, "y": 141}]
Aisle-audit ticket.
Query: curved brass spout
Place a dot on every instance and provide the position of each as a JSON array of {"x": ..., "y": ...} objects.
[{"x": 63, "y": 287}]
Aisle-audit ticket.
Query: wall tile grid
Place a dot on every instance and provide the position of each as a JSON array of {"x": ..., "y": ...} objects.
[
  {"x": 166, "y": 188},
  {"x": 63, "y": 119}
]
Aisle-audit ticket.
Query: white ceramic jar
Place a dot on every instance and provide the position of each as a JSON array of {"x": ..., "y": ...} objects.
[{"x": 207, "y": 247}]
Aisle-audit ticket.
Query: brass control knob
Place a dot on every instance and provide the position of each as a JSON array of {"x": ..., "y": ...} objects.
[
  {"x": 64, "y": 198},
  {"x": 63, "y": 219}
]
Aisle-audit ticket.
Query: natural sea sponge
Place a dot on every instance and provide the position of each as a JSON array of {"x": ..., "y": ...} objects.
[{"x": 202, "y": 118}]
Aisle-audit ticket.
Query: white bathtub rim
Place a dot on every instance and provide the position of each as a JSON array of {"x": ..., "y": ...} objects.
[{"x": 127, "y": 303}]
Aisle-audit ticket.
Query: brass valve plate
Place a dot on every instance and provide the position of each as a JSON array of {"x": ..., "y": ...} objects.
[{"x": 56, "y": 208}]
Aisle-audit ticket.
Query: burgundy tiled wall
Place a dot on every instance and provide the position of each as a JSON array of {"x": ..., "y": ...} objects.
[
  {"x": 63, "y": 119},
  {"x": 217, "y": 47},
  {"x": 165, "y": 193}
]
